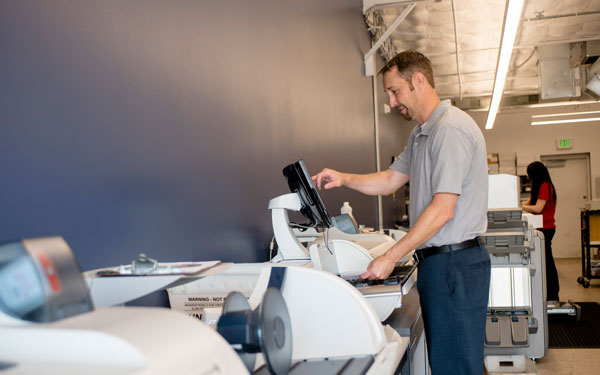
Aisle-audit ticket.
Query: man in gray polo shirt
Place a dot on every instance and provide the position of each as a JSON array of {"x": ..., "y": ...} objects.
[{"x": 446, "y": 163}]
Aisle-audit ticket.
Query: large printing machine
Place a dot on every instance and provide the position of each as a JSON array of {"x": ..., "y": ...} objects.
[
  {"x": 49, "y": 324},
  {"x": 516, "y": 326},
  {"x": 304, "y": 312},
  {"x": 344, "y": 251},
  {"x": 330, "y": 244},
  {"x": 291, "y": 315},
  {"x": 52, "y": 320}
]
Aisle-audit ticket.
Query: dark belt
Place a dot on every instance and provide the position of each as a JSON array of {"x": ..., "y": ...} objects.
[{"x": 421, "y": 254}]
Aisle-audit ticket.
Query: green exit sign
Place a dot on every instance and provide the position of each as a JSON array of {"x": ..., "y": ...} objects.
[{"x": 564, "y": 143}]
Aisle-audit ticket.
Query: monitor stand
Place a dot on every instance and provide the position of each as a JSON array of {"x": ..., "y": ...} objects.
[{"x": 290, "y": 249}]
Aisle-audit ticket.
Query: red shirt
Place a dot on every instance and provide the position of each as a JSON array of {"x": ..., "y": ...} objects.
[{"x": 546, "y": 193}]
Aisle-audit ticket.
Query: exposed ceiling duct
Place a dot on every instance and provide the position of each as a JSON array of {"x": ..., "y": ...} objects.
[
  {"x": 462, "y": 37},
  {"x": 557, "y": 77}
]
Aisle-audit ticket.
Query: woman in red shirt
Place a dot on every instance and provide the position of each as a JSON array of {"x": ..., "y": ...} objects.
[{"x": 543, "y": 201}]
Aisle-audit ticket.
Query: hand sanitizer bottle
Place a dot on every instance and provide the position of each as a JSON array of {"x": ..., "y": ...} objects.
[{"x": 346, "y": 209}]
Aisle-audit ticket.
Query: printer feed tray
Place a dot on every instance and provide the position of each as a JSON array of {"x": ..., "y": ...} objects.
[
  {"x": 400, "y": 275},
  {"x": 502, "y": 220},
  {"x": 506, "y": 242},
  {"x": 503, "y": 215}
]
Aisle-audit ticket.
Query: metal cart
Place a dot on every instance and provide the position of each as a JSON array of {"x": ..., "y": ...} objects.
[{"x": 590, "y": 268}]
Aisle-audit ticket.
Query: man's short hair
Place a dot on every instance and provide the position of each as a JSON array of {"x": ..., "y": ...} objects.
[{"x": 408, "y": 63}]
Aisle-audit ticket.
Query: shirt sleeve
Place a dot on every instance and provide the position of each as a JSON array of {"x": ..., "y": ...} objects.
[
  {"x": 402, "y": 163},
  {"x": 544, "y": 193},
  {"x": 451, "y": 156}
]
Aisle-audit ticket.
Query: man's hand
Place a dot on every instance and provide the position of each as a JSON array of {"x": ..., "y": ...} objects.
[
  {"x": 379, "y": 268},
  {"x": 330, "y": 178}
]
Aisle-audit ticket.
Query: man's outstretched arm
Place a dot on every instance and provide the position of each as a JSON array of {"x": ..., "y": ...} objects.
[{"x": 380, "y": 183}]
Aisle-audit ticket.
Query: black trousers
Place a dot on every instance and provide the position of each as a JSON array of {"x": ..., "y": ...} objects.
[{"x": 552, "y": 286}]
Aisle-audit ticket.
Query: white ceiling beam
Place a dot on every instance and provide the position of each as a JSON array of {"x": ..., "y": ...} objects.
[
  {"x": 370, "y": 56},
  {"x": 519, "y": 46},
  {"x": 558, "y": 41},
  {"x": 486, "y": 80},
  {"x": 456, "y": 45}
]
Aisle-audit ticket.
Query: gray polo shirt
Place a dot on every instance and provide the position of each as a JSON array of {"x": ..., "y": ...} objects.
[{"x": 447, "y": 154}]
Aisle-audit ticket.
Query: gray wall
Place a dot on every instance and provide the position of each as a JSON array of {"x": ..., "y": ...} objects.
[
  {"x": 162, "y": 126},
  {"x": 393, "y": 136}
]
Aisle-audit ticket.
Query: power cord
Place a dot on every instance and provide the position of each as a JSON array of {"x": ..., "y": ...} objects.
[
  {"x": 325, "y": 233},
  {"x": 302, "y": 228},
  {"x": 271, "y": 247}
]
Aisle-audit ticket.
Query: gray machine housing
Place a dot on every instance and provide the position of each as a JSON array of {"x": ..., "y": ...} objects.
[
  {"x": 517, "y": 329},
  {"x": 40, "y": 281}
]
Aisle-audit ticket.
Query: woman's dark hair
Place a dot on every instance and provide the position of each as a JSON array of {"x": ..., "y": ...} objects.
[{"x": 538, "y": 174}]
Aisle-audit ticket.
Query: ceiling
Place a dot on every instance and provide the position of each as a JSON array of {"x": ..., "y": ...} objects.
[{"x": 465, "y": 70}]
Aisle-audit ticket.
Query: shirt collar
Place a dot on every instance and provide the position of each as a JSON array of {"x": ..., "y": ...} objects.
[{"x": 435, "y": 116}]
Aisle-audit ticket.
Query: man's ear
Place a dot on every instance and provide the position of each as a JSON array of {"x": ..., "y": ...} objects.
[{"x": 418, "y": 79}]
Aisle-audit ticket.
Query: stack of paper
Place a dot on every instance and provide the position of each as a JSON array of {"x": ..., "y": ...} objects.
[{"x": 507, "y": 161}]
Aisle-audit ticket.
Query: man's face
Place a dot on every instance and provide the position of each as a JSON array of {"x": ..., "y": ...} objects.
[{"x": 402, "y": 94}]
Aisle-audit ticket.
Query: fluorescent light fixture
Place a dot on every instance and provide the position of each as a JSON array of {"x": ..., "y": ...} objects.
[
  {"x": 511, "y": 24},
  {"x": 565, "y": 118},
  {"x": 565, "y": 121},
  {"x": 543, "y": 105},
  {"x": 565, "y": 114}
]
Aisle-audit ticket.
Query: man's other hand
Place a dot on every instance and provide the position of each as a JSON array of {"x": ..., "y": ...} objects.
[
  {"x": 330, "y": 178},
  {"x": 379, "y": 268}
]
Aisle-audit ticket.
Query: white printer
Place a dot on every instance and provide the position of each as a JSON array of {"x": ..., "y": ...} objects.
[
  {"x": 336, "y": 321},
  {"x": 330, "y": 249},
  {"x": 49, "y": 325},
  {"x": 334, "y": 328}
]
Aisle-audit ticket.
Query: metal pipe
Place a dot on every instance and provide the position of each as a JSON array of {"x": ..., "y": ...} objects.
[
  {"x": 480, "y": 94},
  {"x": 456, "y": 47},
  {"x": 540, "y": 15},
  {"x": 377, "y": 148},
  {"x": 470, "y": 73},
  {"x": 511, "y": 78}
]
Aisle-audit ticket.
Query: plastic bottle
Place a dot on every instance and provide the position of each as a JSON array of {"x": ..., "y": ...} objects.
[{"x": 346, "y": 209}]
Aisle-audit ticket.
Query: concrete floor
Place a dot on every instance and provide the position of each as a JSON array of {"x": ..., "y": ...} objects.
[{"x": 572, "y": 361}]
